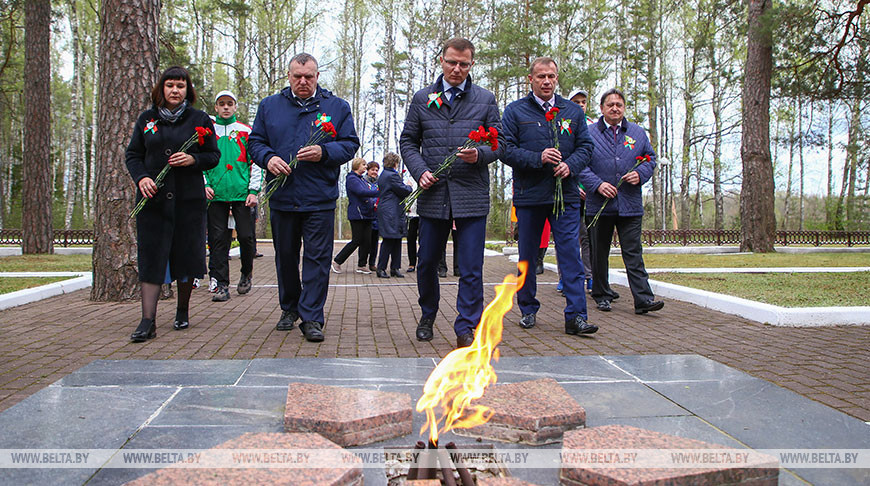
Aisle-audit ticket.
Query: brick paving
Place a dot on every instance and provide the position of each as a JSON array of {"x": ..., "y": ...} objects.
[{"x": 370, "y": 317}]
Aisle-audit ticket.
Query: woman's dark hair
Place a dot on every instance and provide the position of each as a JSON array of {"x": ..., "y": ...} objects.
[
  {"x": 373, "y": 165},
  {"x": 174, "y": 72}
]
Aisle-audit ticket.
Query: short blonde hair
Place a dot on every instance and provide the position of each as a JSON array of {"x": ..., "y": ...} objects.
[
  {"x": 354, "y": 165},
  {"x": 391, "y": 160}
]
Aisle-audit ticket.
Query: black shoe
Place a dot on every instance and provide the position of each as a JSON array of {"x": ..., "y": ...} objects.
[
  {"x": 382, "y": 274},
  {"x": 424, "y": 329},
  {"x": 539, "y": 264},
  {"x": 312, "y": 331},
  {"x": 373, "y": 268},
  {"x": 182, "y": 322},
  {"x": 578, "y": 325},
  {"x": 604, "y": 305},
  {"x": 397, "y": 273},
  {"x": 528, "y": 321},
  {"x": 244, "y": 284},
  {"x": 614, "y": 295},
  {"x": 258, "y": 255},
  {"x": 649, "y": 306},
  {"x": 442, "y": 273},
  {"x": 464, "y": 340},
  {"x": 146, "y": 330},
  {"x": 221, "y": 294},
  {"x": 287, "y": 320},
  {"x": 411, "y": 269}
]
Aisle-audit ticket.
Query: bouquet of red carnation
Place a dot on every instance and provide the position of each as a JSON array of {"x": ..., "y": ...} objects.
[
  {"x": 229, "y": 169},
  {"x": 476, "y": 138},
  {"x": 640, "y": 160},
  {"x": 199, "y": 138},
  {"x": 559, "y": 198},
  {"x": 324, "y": 129}
]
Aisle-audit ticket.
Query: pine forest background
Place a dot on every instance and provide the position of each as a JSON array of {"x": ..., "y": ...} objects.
[{"x": 679, "y": 63}]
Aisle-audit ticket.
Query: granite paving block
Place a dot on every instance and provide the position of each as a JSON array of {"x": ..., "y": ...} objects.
[
  {"x": 689, "y": 427},
  {"x": 347, "y": 416},
  {"x": 297, "y": 476},
  {"x": 235, "y": 405},
  {"x": 355, "y": 372},
  {"x": 675, "y": 367},
  {"x": 150, "y": 372},
  {"x": 531, "y": 412},
  {"x": 759, "y": 469},
  {"x": 560, "y": 368}
]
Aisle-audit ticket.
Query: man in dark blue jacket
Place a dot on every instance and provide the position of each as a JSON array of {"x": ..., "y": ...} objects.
[
  {"x": 439, "y": 120},
  {"x": 622, "y": 157},
  {"x": 530, "y": 141},
  {"x": 303, "y": 208}
]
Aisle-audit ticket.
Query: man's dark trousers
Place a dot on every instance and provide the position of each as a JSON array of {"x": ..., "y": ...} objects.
[
  {"x": 566, "y": 233},
  {"x": 601, "y": 236},
  {"x": 469, "y": 239},
  {"x": 219, "y": 239},
  {"x": 289, "y": 230},
  {"x": 391, "y": 248}
]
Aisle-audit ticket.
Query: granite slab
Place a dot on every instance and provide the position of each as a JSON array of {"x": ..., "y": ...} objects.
[
  {"x": 621, "y": 399},
  {"x": 237, "y": 405},
  {"x": 347, "y": 416},
  {"x": 563, "y": 369},
  {"x": 759, "y": 470},
  {"x": 340, "y": 371},
  {"x": 530, "y": 412},
  {"x": 153, "y": 373},
  {"x": 226, "y": 476},
  {"x": 675, "y": 367}
]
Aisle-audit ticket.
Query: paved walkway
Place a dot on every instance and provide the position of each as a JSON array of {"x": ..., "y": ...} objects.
[{"x": 369, "y": 317}]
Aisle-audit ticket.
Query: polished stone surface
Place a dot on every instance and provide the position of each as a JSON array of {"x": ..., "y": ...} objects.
[
  {"x": 126, "y": 405},
  {"x": 347, "y": 416}
]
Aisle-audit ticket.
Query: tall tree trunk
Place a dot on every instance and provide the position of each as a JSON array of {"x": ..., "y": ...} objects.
[
  {"x": 800, "y": 115},
  {"x": 786, "y": 211},
  {"x": 757, "y": 214},
  {"x": 652, "y": 95},
  {"x": 92, "y": 161},
  {"x": 688, "y": 129},
  {"x": 37, "y": 197},
  {"x": 829, "y": 202},
  {"x": 852, "y": 162},
  {"x": 128, "y": 60},
  {"x": 76, "y": 119}
]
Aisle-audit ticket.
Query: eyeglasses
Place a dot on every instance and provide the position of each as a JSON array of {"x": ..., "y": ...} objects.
[{"x": 452, "y": 63}]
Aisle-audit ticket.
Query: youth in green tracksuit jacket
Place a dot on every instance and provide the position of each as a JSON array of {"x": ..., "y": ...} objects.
[{"x": 233, "y": 184}]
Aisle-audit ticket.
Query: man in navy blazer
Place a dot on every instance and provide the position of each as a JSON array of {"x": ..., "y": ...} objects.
[
  {"x": 303, "y": 209},
  {"x": 439, "y": 120},
  {"x": 622, "y": 153},
  {"x": 537, "y": 165}
]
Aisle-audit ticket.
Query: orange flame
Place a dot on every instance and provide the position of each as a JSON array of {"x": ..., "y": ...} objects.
[{"x": 464, "y": 374}]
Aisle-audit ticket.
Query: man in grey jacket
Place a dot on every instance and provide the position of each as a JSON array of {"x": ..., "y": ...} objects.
[{"x": 438, "y": 123}]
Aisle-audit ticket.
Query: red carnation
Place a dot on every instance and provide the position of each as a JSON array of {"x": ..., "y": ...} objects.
[
  {"x": 551, "y": 114},
  {"x": 229, "y": 166},
  {"x": 329, "y": 128},
  {"x": 201, "y": 133},
  {"x": 474, "y": 135}
]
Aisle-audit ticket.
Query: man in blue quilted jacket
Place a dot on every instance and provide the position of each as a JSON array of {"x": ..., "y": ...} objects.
[
  {"x": 532, "y": 126},
  {"x": 438, "y": 123},
  {"x": 622, "y": 157},
  {"x": 303, "y": 209}
]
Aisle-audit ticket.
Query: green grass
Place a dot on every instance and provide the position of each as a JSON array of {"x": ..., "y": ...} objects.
[
  {"x": 11, "y": 284},
  {"x": 46, "y": 263},
  {"x": 752, "y": 260},
  {"x": 494, "y": 247},
  {"x": 783, "y": 289}
]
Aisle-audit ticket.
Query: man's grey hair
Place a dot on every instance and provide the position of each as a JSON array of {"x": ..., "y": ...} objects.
[
  {"x": 612, "y": 91},
  {"x": 304, "y": 58}
]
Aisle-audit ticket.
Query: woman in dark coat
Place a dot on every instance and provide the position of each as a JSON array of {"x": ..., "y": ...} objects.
[
  {"x": 391, "y": 216},
  {"x": 360, "y": 212},
  {"x": 170, "y": 228}
]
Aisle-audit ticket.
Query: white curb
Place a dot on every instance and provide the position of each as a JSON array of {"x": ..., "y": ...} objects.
[{"x": 26, "y": 296}]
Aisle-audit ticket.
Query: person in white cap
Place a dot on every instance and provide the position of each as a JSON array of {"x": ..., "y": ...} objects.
[
  {"x": 580, "y": 96},
  {"x": 231, "y": 186}
]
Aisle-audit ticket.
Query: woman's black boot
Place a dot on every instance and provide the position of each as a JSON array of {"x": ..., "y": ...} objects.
[
  {"x": 147, "y": 330},
  {"x": 181, "y": 320}
]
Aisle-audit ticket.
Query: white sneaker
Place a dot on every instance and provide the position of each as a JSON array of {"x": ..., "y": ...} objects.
[
  {"x": 196, "y": 283},
  {"x": 212, "y": 285},
  {"x": 364, "y": 270},
  {"x": 336, "y": 268}
]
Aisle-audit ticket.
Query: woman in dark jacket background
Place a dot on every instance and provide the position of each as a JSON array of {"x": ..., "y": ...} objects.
[
  {"x": 360, "y": 212},
  {"x": 170, "y": 229},
  {"x": 391, "y": 216}
]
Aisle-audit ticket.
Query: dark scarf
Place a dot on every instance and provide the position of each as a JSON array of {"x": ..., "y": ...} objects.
[{"x": 172, "y": 116}]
